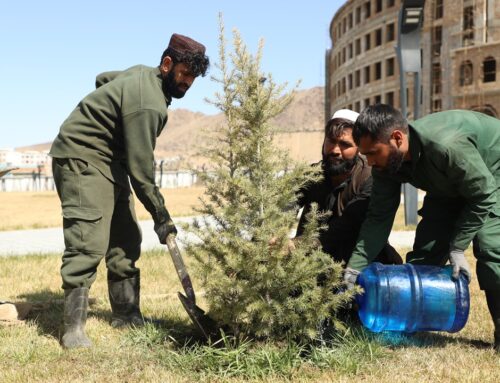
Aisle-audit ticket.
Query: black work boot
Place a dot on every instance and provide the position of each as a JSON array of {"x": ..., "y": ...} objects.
[
  {"x": 75, "y": 316},
  {"x": 493, "y": 300},
  {"x": 124, "y": 299}
]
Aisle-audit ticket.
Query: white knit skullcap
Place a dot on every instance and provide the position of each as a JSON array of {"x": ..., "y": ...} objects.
[{"x": 347, "y": 114}]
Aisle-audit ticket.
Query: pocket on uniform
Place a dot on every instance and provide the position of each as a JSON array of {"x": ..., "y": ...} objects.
[
  {"x": 82, "y": 229},
  {"x": 83, "y": 213}
]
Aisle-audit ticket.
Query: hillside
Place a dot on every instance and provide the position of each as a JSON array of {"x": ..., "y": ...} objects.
[{"x": 300, "y": 125}]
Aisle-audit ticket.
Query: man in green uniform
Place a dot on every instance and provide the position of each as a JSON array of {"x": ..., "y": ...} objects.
[
  {"x": 105, "y": 145},
  {"x": 343, "y": 193},
  {"x": 455, "y": 157}
]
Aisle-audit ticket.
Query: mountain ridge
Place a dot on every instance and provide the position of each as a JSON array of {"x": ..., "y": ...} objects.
[{"x": 300, "y": 128}]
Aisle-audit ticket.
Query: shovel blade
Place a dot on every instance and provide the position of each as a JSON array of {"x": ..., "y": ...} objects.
[{"x": 205, "y": 325}]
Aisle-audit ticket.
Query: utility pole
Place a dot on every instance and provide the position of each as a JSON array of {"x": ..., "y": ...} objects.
[{"x": 410, "y": 22}]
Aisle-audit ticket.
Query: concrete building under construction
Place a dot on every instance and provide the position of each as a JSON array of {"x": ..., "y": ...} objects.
[{"x": 460, "y": 48}]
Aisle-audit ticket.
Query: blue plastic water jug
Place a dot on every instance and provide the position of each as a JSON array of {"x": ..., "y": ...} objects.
[{"x": 411, "y": 298}]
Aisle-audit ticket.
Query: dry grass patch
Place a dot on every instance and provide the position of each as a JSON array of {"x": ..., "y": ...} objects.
[
  {"x": 163, "y": 352},
  {"x": 31, "y": 210}
]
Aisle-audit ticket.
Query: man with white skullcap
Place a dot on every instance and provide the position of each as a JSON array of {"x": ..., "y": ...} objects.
[{"x": 344, "y": 191}]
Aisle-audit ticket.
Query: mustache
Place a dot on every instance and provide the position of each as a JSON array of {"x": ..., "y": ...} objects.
[
  {"x": 332, "y": 157},
  {"x": 336, "y": 165}
]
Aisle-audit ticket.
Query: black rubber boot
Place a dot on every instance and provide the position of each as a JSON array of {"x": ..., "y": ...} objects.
[
  {"x": 124, "y": 299},
  {"x": 75, "y": 317},
  {"x": 493, "y": 300}
]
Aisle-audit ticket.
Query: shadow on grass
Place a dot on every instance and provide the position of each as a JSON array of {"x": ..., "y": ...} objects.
[
  {"x": 177, "y": 328},
  {"x": 394, "y": 339},
  {"x": 48, "y": 311},
  {"x": 425, "y": 339}
]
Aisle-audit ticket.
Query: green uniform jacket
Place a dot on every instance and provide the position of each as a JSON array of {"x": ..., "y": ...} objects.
[
  {"x": 114, "y": 128},
  {"x": 454, "y": 154}
]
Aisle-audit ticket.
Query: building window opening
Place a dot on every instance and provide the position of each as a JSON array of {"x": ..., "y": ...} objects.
[
  {"x": 438, "y": 9},
  {"x": 389, "y": 32},
  {"x": 378, "y": 37},
  {"x": 357, "y": 14},
  {"x": 368, "y": 9},
  {"x": 436, "y": 105},
  {"x": 357, "y": 78},
  {"x": 378, "y": 99},
  {"x": 465, "y": 75},
  {"x": 357, "y": 47},
  {"x": 378, "y": 6},
  {"x": 367, "y": 74},
  {"x": 378, "y": 70},
  {"x": 437, "y": 40},
  {"x": 367, "y": 42},
  {"x": 489, "y": 69},
  {"x": 389, "y": 67},
  {"x": 436, "y": 78},
  {"x": 468, "y": 26},
  {"x": 389, "y": 98}
]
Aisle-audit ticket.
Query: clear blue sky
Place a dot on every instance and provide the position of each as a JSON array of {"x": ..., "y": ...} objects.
[{"x": 52, "y": 50}]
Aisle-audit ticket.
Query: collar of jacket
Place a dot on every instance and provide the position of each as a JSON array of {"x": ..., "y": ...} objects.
[
  {"x": 168, "y": 98},
  {"x": 415, "y": 146}
]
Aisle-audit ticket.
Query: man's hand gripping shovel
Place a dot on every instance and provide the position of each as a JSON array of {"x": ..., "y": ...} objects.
[{"x": 205, "y": 324}]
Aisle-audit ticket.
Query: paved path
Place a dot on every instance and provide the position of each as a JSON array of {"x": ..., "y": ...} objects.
[{"x": 42, "y": 241}]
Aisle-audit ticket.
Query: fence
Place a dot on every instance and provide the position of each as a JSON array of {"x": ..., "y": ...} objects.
[{"x": 166, "y": 179}]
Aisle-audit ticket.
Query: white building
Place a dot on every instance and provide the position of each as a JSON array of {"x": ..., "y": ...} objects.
[{"x": 24, "y": 159}]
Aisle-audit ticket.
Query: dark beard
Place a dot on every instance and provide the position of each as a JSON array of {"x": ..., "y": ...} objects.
[
  {"x": 394, "y": 161},
  {"x": 340, "y": 167},
  {"x": 171, "y": 87}
]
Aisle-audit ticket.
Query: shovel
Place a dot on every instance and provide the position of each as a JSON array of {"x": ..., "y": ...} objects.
[
  {"x": 4, "y": 171},
  {"x": 205, "y": 324}
]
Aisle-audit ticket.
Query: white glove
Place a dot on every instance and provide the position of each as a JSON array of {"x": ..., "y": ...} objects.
[
  {"x": 350, "y": 277},
  {"x": 460, "y": 264}
]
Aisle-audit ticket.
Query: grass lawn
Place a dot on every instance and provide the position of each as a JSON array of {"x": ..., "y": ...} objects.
[{"x": 167, "y": 352}]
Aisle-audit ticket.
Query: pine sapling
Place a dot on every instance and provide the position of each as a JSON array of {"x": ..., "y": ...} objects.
[{"x": 256, "y": 284}]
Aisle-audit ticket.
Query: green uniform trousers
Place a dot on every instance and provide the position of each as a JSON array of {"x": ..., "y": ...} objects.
[
  {"x": 98, "y": 221},
  {"x": 434, "y": 231}
]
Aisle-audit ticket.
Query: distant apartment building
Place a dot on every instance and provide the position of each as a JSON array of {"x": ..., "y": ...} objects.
[
  {"x": 23, "y": 159},
  {"x": 34, "y": 172},
  {"x": 9, "y": 157},
  {"x": 460, "y": 48}
]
